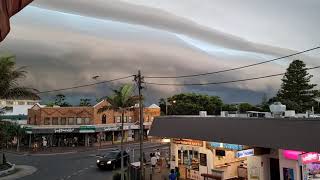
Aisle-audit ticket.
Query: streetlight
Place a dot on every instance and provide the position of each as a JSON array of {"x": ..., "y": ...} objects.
[{"x": 173, "y": 102}]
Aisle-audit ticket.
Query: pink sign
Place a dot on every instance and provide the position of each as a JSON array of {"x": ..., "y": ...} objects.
[
  {"x": 310, "y": 157},
  {"x": 292, "y": 155}
]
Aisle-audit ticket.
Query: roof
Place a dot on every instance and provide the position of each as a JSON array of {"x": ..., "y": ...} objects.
[
  {"x": 18, "y": 110},
  {"x": 154, "y": 106},
  {"x": 283, "y": 133}
]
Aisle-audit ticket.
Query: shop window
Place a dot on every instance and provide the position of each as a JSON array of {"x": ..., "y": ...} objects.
[
  {"x": 21, "y": 103},
  {"x": 130, "y": 119},
  {"x": 47, "y": 121},
  {"x": 203, "y": 159},
  {"x": 87, "y": 120},
  {"x": 63, "y": 121},
  {"x": 79, "y": 121},
  {"x": 118, "y": 119},
  {"x": 104, "y": 119},
  {"x": 55, "y": 121},
  {"x": 71, "y": 121}
]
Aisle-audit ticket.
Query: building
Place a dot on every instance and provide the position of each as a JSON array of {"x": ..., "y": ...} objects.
[
  {"x": 72, "y": 126},
  {"x": 267, "y": 142},
  {"x": 16, "y": 110}
]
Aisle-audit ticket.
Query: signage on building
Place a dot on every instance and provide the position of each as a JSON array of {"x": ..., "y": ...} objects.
[
  {"x": 291, "y": 154},
  {"x": 245, "y": 153},
  {"x": 111, "y": 128},
  {"x": 310, "y": 158},
  {"x": 87, "y": 129},
  {"x": 226, "y": 146},
  {"x": 64, "y": 130},
  {"x": 188, "y": 142}
]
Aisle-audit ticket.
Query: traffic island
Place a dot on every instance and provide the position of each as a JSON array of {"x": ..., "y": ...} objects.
[{"x": 7, "y": 169}]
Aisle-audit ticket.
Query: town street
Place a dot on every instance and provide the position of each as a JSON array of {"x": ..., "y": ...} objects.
[{"x": 77, "y": 166}]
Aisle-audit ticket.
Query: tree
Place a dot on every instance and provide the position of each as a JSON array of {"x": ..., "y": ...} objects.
[
  {"x": 244, "y": 107},
  {"x": 296, "y": 91},
  {"x": 9, "y": 80},
  {"x": 229, "y": 107},
  {"x": 18, "y": 132},
  {"x": 59, "y": 100},
  {"x": 122, "y": 100},
  {"x": 85, "y": 102},
  {"x": 192, "y": 103}
]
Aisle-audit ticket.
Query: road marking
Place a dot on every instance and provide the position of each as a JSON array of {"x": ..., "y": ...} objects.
[
  {"x": 68, "y": 177},
  {"x": 86, "y": 168}
]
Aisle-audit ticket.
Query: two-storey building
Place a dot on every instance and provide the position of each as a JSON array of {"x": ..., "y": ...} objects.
[{"x": 72, "y": 126}]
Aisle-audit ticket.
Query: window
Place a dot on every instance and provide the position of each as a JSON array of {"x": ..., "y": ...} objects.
[
  {"x": 21, "y": 103},
  {"x": 9, "y": 102},
  {"x": 104, "y": 119},
  {"x": 55, "y": 121},
  {"x": 118, "y": 119},
  {"x": 129, "y": 119},
  {"x": 63, "y": 121},
  {"x": 47, "y": 121},
  {"x": 87, "y": 120},
  {"x": 151, "y": 118},
  {"x": 79, "y": 120},
  {"x": 31, "y": 103},
  {"x": 71, "y": 121},
  {"x": 125, "y": 119}
]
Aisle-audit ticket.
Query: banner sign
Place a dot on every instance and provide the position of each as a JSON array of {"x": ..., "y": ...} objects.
[
  {"x": 226, "y": 146},
  {"x": 245, "y": 153}
]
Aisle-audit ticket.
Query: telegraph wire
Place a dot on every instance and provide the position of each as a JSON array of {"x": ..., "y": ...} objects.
[
  {"x": 85, "y": 85},
  {"x": 221, "y": 82},
  {"x": 232, "y": 69}
]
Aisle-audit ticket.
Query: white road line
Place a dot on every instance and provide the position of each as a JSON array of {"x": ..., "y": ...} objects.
[
  {"x": 86, "y": 168},
  {"x": 68, "y": 177}
]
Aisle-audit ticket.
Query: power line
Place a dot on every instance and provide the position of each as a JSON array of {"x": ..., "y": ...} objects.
[
  {"x": 85, "y": 85},
  {"x": 232, "y": 69},
  {"x": 221, "y": 82}
]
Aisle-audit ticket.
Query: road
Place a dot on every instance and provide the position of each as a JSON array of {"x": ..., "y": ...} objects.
[{"x": 74, "y": 166}]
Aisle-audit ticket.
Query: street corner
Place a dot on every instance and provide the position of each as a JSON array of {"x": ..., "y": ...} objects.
[{"x": 20, "y": 172}]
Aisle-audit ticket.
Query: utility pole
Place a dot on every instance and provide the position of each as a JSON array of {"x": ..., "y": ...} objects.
[{"x": 139, "y": 80}]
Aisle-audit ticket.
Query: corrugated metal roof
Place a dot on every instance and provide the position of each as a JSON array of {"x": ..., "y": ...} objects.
[{"x": 284, "y": 133}]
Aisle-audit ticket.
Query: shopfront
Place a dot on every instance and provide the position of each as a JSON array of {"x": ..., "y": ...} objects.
[
  {"x": 310, "y": 165},
  {"x": 61, "y": 136},
  {"x": 192, "y": 157}
]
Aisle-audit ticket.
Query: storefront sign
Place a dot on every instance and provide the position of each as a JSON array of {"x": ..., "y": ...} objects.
[
  {"x": 292, "y": 155},
  {"x": 87, "y": 129},
  {"x": 245, "y": 153},
  {"x": 64, "y": 130},
  {"x": 226, "y": 146},
  {"x": 111, "y": 129},
  {"x": 310, "y": 158},
  {"x": 188, "y": 142}
]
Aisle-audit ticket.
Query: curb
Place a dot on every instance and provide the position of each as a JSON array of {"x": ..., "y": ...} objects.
[{"x": 8, "y": 171}]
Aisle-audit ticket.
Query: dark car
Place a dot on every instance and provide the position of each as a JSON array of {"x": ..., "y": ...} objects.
[{"x": 112, "y": 160}]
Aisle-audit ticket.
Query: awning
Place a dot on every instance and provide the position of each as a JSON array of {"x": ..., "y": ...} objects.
[
  {"x": 8, "y": 8},
  {"x": 282, "y": 133}
]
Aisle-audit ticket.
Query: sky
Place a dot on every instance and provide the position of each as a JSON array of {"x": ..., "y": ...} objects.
[{"x": 66, "y": 43}]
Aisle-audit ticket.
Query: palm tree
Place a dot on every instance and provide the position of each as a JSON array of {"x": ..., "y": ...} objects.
[
  {"x": 9, "y": 80},
  {"x": 122, "y": 100}
]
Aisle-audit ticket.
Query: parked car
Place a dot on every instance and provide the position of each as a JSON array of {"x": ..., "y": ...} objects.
[{"x": 112, "y": 160}]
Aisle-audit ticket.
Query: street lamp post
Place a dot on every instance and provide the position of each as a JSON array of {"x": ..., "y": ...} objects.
[{"x": 167, "y": 103}]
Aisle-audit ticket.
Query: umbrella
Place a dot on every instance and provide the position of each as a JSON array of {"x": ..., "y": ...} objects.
[{"x": 8, "y": 8}]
